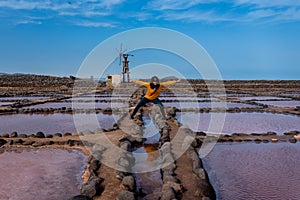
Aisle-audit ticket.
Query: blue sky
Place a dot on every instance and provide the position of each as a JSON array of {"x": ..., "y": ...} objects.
[{"x": 247, "y": 39}]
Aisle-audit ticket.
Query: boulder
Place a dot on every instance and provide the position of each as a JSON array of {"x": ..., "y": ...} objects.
[
  {"x": 293, "y": 140},
  {"x": 5, "y": 135},
  {"x": 92, "y": 187},
  {"x": 169, "y": 194},
  {"x": 94, "y": 165},
  {"x": 125, "y": 195},
  {"x": 18, "y": 141},
  {"x": 14, "y": 134},
  {"x": 22, "y": 135},
  {"x": 40, "y": 134},
  {"x": 291, "y": 133},
  {"x": 2, "y": 142},
  {"x": 28, "y": 142},
  {"x": 129, "y": 183},
  {"x": 175, "y": 186},
  {"x": 67, "y": 134},
  {"x": 49, "y": 136},
  {"x": 38, "y": 144},
  {"x": 57, "y": 135}
]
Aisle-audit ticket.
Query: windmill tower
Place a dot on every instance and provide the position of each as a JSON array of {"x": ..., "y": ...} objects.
[{"x": 125, "y": 62}]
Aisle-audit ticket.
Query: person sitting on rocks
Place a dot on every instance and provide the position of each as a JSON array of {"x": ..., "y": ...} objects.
[{"x": 153, "y": 91}]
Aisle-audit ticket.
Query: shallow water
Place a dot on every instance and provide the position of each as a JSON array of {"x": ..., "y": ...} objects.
[
  {"x": 208, "y": 105},
  {"x": 255, "y": 171},
  {"x": 80, "y": 105},
  {"x": 263, "y": 98},
  {"x": 54, "y": 123},
  {"x": 147, "y": 156},
  {"x": 242, "y": 122},
  {"x": 188, "y": 98},
  {"x": 5, "y": 103},
  {"x": 23, "y": 98},
  {"x": 292, "y": 104},
  {"x": 30, "y": 174}
]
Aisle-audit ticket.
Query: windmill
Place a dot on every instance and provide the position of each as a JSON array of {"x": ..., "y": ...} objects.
[{"x": 125, "y": 62}]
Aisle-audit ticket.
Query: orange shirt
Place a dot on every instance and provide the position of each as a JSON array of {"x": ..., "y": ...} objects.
[{"x": 152, "y": 94}]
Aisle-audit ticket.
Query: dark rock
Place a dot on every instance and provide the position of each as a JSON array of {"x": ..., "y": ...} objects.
[
  {"x": 23, "y": 136},
  {"x": 32, "y": 136},
  {"x": 125, "y": 195},
  {"x": 57, "y": 135},
  {"x": 5, "y": 135},
  {"x": 40, "y": 135},
  {"x": 293, "y": 140},
  {"x": 257, "y": 141},
  {"x": 81, "y": 197},
  {"x": 256, "y": 134},
  {"x": 2, "y": 142},
  {"x": 129, "y": 183},
  {"x": 271, "y": 133},
  {"x": 291, "y": 133},
  {"x": 94, "y": 165},
  {"x": 48, "y": 142},
  {"x": 67, "y": 134},
  {"x": 92, "y": 187},
  {"x": 49, "y": 136},
  {"x": 169, "y": 194},
  {"x": 38, "y": 144},
  {"x": 28, "y": 142},
  {"x": 18, "y": 141},
  {"x": 14, "y": 134}
]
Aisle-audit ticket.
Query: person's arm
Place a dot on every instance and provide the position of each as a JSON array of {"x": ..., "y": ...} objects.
[
  {"x": 167, "y": 83},
  {"x": 140, "y": 82}
]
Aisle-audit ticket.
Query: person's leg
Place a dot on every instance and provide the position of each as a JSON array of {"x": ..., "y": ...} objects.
[
  {"x": 161, "y": 106},
  {"x": 142, "y": 102}
]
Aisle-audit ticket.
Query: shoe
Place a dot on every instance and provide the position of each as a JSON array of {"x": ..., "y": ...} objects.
[{"x": 131, "y": 117}]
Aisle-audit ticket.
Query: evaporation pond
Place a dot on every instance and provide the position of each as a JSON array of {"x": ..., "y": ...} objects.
[
  {"x": 35, "y": 174},
  {"x": 254, "y": 171},
  {"x": 240, "y": 122},
  {"x": 55, "y": 123}
]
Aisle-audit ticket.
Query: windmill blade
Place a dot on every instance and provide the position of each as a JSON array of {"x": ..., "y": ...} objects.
[{"x": 121, "y": 52}]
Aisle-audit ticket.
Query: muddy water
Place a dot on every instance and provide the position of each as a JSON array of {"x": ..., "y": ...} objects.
[
  {"x": 243, "y": 122},
  {"x": 292, "y": 104},
  {"x": 53, "y": 123},
  {"x": 252, "y": 171},
  {"x": 29, "y": 174},
  {"x": 147, "y": 156},
  {"x": 208, "y": 105}
]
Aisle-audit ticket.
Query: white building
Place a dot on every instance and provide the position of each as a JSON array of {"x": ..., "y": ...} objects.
[{"x": 113, "y": 79}]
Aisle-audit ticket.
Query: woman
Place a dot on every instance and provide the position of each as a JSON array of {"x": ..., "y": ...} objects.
[{"x": 153, "y": 91}]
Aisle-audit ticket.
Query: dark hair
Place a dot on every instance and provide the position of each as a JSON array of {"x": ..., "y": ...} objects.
[{"x": 155, "y": 79}]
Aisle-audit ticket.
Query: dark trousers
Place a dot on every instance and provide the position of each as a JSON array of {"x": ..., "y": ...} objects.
[{"x": 143, "y": 101}]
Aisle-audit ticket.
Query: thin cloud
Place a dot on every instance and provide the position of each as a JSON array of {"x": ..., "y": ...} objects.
[
  {"x": 268, "y": 3},
  {"x": 175, "y": 4},
  {"x": 28, "y": 22},
  {"x": 95, "y": 24},
  {"x": 195, "y": 16}
]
